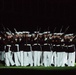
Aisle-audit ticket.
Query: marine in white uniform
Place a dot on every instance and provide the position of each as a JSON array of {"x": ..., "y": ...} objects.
[
  {"x": 46, "y": 48},
  {"x": 36, "y": 47},
  {"x": 71, "y": 51},
  {"x": 8, "y": 55}
]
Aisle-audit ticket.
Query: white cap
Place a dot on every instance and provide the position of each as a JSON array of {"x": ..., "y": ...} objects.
[
  {"x": 55, "y": 33},
  {"x": 58, "y": 33},
  {"x": 44, "y": 32},
  {"x": 40, "y": 33},
  {"x": 70, "y": 34},
  {"x": 36, "y": 31},
  {"x": 17, "y": 32},
  {"x": 20, "y": 32},
  {"x": 48, "y": 31},
  {"x": 67, "y": 35},
  {"x": 27, "y": 32}
]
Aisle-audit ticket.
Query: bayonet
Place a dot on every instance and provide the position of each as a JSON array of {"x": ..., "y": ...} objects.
[
  {"x": 9, "y": 30},
  {"x": 3, "y": 27},
  {"x": 54, "y": 29},
  {"x": 15, "y": 30},
  {"x": 61, "y": 29},
  {"x": 65, "y": 31}
]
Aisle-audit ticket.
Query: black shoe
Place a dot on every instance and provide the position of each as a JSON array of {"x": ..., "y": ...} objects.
[
  {"x": 66, "y": 65},
  {"x": 13, "y": 65},
  {"x": 52, "y": 64},
  {"x": 28, "y": 65}
]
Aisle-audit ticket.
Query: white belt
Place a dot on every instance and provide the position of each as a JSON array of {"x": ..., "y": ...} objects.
[
  {"x": 54, "y": 45},
  {"x": 57, "y": 45},
  {"x": 8, "y": 45},
  {"x": 46, "y": 44},
  {"x": 70, "y": 45},
  {"x": 36, "y": 44},
  {"x": 28, "y": 44},
  {"x": 16, "y": 45}
]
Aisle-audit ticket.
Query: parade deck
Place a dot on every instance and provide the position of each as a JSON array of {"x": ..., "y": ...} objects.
[
  {"x": 38, "y": 67},
  {"x": 40, "y": 70}
]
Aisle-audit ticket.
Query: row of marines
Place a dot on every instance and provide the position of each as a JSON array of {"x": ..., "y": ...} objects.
[{"x": 38, "y": 49}]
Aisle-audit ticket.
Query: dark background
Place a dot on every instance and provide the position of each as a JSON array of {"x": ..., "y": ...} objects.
[{"x": 30, "y": 14}]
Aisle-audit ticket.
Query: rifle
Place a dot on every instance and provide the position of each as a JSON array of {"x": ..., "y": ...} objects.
[
  {"x": 47, "y": 36},
  {"x": 38, "y": 35},
  {"x": 65, "y": 32},
  {"x": 4, "y": 32},
  {"x": 15, "y": 30},
  {"x": 61, "y": 29},
  {"x": 54, "y": 31},
  {"x": 74, "y": 37},
  {"x": 9, "y": 31}
]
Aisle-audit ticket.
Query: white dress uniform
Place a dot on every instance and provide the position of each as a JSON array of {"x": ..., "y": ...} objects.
[
  {"x": 64, "y": 56},
  {"x": 47, "y": 54},
  {"x": 28, "y": 59},
  {"x": 8, "y": 56},
  {"x": 17, "y": 55},
  {"x": 54, "y": 58},
  {"x": 59, "y": 56},
  {"x": 21, "y": 57},
  {"x": 71, "y": 55},
  {"x": 37, "y": 54},
  {"x": 25, "y": 57}
]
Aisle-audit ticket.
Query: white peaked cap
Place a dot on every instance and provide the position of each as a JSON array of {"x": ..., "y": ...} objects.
[
  {"x": 40, "y": 33},
  {"x": 58, "y": 33},
  {"x": 70, "y": 34},
  {"x": 18, "y": 33},
  {"x": 48, "y": 31},
  {"x": 23, "y": 32},
  {"x": 44, "y": 32},
  {"x": 26, "y": 32},
  {"x": 55, "y": 33},
  {"x": 67, "y": 35},
  {"x": 36, "y": 31}
]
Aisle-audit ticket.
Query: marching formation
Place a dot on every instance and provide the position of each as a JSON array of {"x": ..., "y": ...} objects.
[{"x": 37, "y": 49}]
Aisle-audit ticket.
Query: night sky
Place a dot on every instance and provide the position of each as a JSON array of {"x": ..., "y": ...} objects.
[{"x": 28, "y": 15}]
